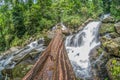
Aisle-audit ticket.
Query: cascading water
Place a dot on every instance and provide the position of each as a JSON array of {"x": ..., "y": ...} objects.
[
  {"x": 79, "y": 47},
  {"x": 63, "y": 27},
  {"x": 9, "y": 61}
]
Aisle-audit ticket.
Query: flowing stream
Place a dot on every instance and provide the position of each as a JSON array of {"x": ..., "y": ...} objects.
[
  {"x": 80, "y": 45},
  {"x": 8, "y": 61}
]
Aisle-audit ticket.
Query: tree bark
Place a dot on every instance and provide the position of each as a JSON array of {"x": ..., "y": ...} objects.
[{"x": 53, "y": 64}]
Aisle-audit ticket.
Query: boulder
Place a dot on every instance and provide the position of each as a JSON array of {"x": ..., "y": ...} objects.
[
  {"x": 106, "y": 28},
  {"x": 11, "y": 50},
  {"x": 117, "y": 27},
  {"x": 113, "y": 68},
  {"x": 114, "y": 35},
  {"x": 20, "y": 70},
  {"x": 108, "y": 19},
  {"x": 117, "y": 40},
  {"x": 112, "y": 46}
]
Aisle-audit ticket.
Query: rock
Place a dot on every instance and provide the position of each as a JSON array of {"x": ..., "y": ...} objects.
[
  {"x": 84, "y": 24},
  {"x": 20, "y": 70},
  {"x": 112, "y": 46},
  {"x": 113, "y": 68},
  {"x": 117, "y": 40},
  {"x": 117, "y": 27},
  {"x": 109, "y": 19},
  {"x": 106, "y": 28},
  {"x": 114, "y": 35},
  {"x": 11, "y": 50}
]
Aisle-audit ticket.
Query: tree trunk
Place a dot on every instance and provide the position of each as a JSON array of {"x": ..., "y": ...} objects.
[{"x": 53, "y": 64}]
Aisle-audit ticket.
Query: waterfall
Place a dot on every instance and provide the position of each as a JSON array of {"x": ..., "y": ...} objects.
[
  {"x": 79, "y": 47},
  {"x": 8, "y": 61}
]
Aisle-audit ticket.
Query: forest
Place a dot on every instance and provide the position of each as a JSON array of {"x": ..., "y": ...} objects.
[
  {"x": 20, "y": 19},
  {"x": 24, "y": 21}
]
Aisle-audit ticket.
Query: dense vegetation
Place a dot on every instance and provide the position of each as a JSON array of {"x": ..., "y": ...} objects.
[{"x": 20, "y": 19}]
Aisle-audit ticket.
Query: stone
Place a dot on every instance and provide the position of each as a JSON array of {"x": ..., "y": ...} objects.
[
  {"x": 106, "y": 28},
  {"x": 117, "y": 40},
  {"x": 109, "y": 19},
  {"x": 112, "y": 46},
  {"x": 114, "y": 35},
  {"x": 117, "y": 27},
  {"x": 11, "y": 50},
  {"x": 113, "y": 68},
  {"x": 20, "y": 70}
]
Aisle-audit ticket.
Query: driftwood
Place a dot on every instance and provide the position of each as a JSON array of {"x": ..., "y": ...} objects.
[{"x": 53, "y": 64}]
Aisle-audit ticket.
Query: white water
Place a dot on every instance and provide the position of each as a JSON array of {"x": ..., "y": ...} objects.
[
  {"x": 79, "y": 47},
  {"x": 63, "y": 27},
  {"x": 8, "y": 61},
  {"x": 104, "y": 16}
]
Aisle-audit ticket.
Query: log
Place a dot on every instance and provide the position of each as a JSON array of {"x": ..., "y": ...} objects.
[{"x": 53, "y": 64}]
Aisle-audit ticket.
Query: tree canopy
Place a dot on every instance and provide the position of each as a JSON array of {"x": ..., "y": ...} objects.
[{"x": 19, "y": 19}]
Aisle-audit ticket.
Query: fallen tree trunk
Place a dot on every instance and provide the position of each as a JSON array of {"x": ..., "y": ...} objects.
[{"x": 53, "y": 64}]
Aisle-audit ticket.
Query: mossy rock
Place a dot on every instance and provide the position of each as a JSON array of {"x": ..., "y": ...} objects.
[
  {"x": 100, "y": 50},
  {"x": 114, "y": 35},
  {"x": 107, "y": 28},
  {"x": 47, "y": 40},
  {"x": 109, "y": 19},
  {"x": 117, "y": 27},
  {"x": 20, "y": 70},
  {"x": 113, "y": 68},
  {"x": 112, "y": 46}
]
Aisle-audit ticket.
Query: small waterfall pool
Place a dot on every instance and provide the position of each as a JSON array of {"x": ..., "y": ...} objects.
[{"x": 79, "y": 47}]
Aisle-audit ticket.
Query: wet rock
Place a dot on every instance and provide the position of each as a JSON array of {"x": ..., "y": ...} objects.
[
  {"x": 11, "y": 50},
  {"x": 98, "y": 66},
  {"x": 114, "y": 35},
  {"x": 109, "y": 19},
  {"x": 20, "y": 70},
  {"x": 117, "y": 27},
  {"x": 113, "y": 68},
  {"x": 84, "y": 24}
]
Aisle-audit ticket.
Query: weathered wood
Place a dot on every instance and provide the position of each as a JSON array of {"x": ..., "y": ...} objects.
[{"x": 53, "y": 64}]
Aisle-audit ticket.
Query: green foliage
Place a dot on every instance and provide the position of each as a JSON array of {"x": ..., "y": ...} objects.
[
  {"x": 20, "y": 19},
  {"x": 20, "y": 70},
  {"x": 107, "y": 28},
  {"x": 115, "y": 9},
  {"x": 115, "y": 69},
  {"x": 106, "y": 5},
  {"x": 74, "y": 21}
]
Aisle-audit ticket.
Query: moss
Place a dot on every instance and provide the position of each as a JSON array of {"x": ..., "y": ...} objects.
[
  {"x": 47, "y": 41},
  {"x": 20, "y": 70},
  {"x": 113, "y": 67},
  {"x": 16, "y": 42},
  {"x": 78, "y": 79},
  {"x": 107, "y": 28},
  {"x": 100, "y": 50},
  {"x": 114, "y": 35}
]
